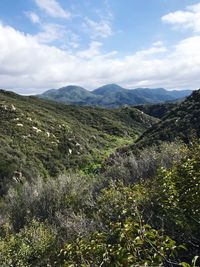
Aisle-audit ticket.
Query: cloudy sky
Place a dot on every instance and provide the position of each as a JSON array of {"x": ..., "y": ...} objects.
[{"x": 135, "y": 43}]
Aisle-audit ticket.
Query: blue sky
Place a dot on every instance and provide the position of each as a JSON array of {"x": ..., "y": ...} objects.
[{"x": 135, "y": 43}]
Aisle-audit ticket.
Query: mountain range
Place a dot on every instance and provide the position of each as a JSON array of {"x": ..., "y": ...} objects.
[{"x": 112, "y": 95}]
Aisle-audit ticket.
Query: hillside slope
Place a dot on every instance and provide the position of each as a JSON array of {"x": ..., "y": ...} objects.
[
  {"x": 157, "y": 110},
  {"x": 182, "y": 122},
  {"x": 112, "y": 95},
  {"x": 39, "y": 137}
]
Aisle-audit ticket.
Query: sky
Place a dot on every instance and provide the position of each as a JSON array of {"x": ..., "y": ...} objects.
[{"x": 48, "y": 44}]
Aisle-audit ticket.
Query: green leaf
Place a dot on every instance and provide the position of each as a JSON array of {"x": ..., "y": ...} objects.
[
  {"x": 185, "y": 264},
  {"x": 194, "y": 261}
]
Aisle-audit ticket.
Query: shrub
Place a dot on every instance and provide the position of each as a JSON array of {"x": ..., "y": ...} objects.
[
  {"x": 124, "y": 240},
  {"x": 60, "y": 201},
  {"x": 132, "y": 168},
  {"x": 174, "y": 201},
  {"x": 32, "y": 246}
]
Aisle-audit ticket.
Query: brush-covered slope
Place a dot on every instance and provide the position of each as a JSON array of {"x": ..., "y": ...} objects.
[
  {"x": 157, "y": 110},
  {"x": 160, "y": 144},
  {"x": 112, "y": 95},
  {"x": 40, "y": 137},
  {"x": 182, "y": 122}
]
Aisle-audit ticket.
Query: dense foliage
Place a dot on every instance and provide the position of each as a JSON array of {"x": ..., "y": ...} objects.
[
  {"x": 175, "y": 200},
  {"x": 157, "y": 110},
  {"x": 181, "y": 122},
  {"x": 125, "y": 240},
  {"x": 140, "y": 208},
  {"x": 89, "y": 223},
  {"x": 31, "y": 247}
]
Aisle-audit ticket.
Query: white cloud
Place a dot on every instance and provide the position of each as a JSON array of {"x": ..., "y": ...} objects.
[
  {"x": 53, "y": 8},
  {"x": 31, "y": 67},
  {"x": 152, "y": 51},
  {"x": 98, "y": 29},
  {"x": 33, "y": 17},
  {"x": 51, "y": 32},
  {"x": 158, "y": 43},
  {"x": 187, "y": 19},
  {"x": 74, "y": 40},
  {"x": 92, "y": 51}
]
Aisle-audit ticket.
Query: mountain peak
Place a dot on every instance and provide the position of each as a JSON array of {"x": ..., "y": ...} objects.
[
  {"x": 71, "y": 88},
  {"x": 108, "y": 88},
  {"x": 68, "y": 94}
]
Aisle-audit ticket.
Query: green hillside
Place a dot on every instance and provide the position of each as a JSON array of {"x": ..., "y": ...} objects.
[
  {"x": 44, "y": 138},
  {"x": 156, "y": 110},
  {"x": 182, "y": 122},
  {"x": 180, "y": 125},
  {"x": 69, "y": 199}
]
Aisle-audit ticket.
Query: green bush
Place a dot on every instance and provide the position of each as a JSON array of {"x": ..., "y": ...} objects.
[
  {"x": 32, "y": 246},
  {"x": 50, "y": 199},
  {"x": 142, "y": 165},
  {"x": 127, "y": 244},
  {"x": 123, "y": 239},
  {"x": 174, "y": 201}
]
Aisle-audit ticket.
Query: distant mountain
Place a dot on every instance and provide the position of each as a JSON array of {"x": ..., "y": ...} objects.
[
  {"x": 108, "y": 89},
  {"x": 69, "y": 94},
  {"x": 112, "y": 95}
]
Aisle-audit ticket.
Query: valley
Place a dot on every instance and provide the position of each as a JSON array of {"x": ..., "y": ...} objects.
[
  {"x": 44, "y": 138},
  {"x": 99, "y": 133},
  {"x": 81, "y": 182}
]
